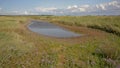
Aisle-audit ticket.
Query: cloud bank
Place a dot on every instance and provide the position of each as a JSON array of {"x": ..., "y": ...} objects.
[{"x": 110, "y": 8}]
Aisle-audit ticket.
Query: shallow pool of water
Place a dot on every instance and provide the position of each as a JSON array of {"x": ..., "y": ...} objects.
[{"x": 49, "y": 29}]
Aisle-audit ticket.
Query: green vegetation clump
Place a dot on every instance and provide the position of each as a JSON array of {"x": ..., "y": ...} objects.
[{"x": 21, "y": 48}]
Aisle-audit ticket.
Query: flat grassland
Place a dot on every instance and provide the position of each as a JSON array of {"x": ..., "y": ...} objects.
[{"x": 99, "y": 48}]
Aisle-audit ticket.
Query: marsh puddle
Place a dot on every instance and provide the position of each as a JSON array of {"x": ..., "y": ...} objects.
[{"x": 49, "y": 29}]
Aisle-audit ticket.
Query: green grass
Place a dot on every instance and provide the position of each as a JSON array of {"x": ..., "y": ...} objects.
[
  {"x": 20, "y": 48},
  {"x": 109, "y": 24}
]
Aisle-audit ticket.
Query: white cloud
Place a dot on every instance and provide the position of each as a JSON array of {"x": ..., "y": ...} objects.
[
  {"x": 101, "y": 6},
  {"x": 112, "y": 7},
  {"x": 109, "y": 5},
  {"x": 82, "y": 9},
  {"x": 26, "y": 12},
  {"x": 21, "y": 13},
  {"x": 72, "y": 7},
  {"x": 76, "y": 8},
  {"x": 114, "y": 3},
  {"x": 41, "y": 9}
]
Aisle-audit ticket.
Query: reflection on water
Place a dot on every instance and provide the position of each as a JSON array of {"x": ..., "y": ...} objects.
[{"x": 50, "y": 29}]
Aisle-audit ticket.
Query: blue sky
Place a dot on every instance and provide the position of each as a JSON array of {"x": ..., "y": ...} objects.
[{"x": 59, "y": 7}]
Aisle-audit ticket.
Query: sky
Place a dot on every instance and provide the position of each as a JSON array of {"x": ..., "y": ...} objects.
[{"x": 59, "y": 7}]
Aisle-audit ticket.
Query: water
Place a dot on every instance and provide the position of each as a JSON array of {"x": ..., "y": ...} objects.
[{"x": 49, "y": 29}]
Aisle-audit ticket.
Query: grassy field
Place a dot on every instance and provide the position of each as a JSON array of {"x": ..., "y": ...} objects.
[
  {"x": 109, "y": 24},
  {"x": 21, "y": 48}
]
